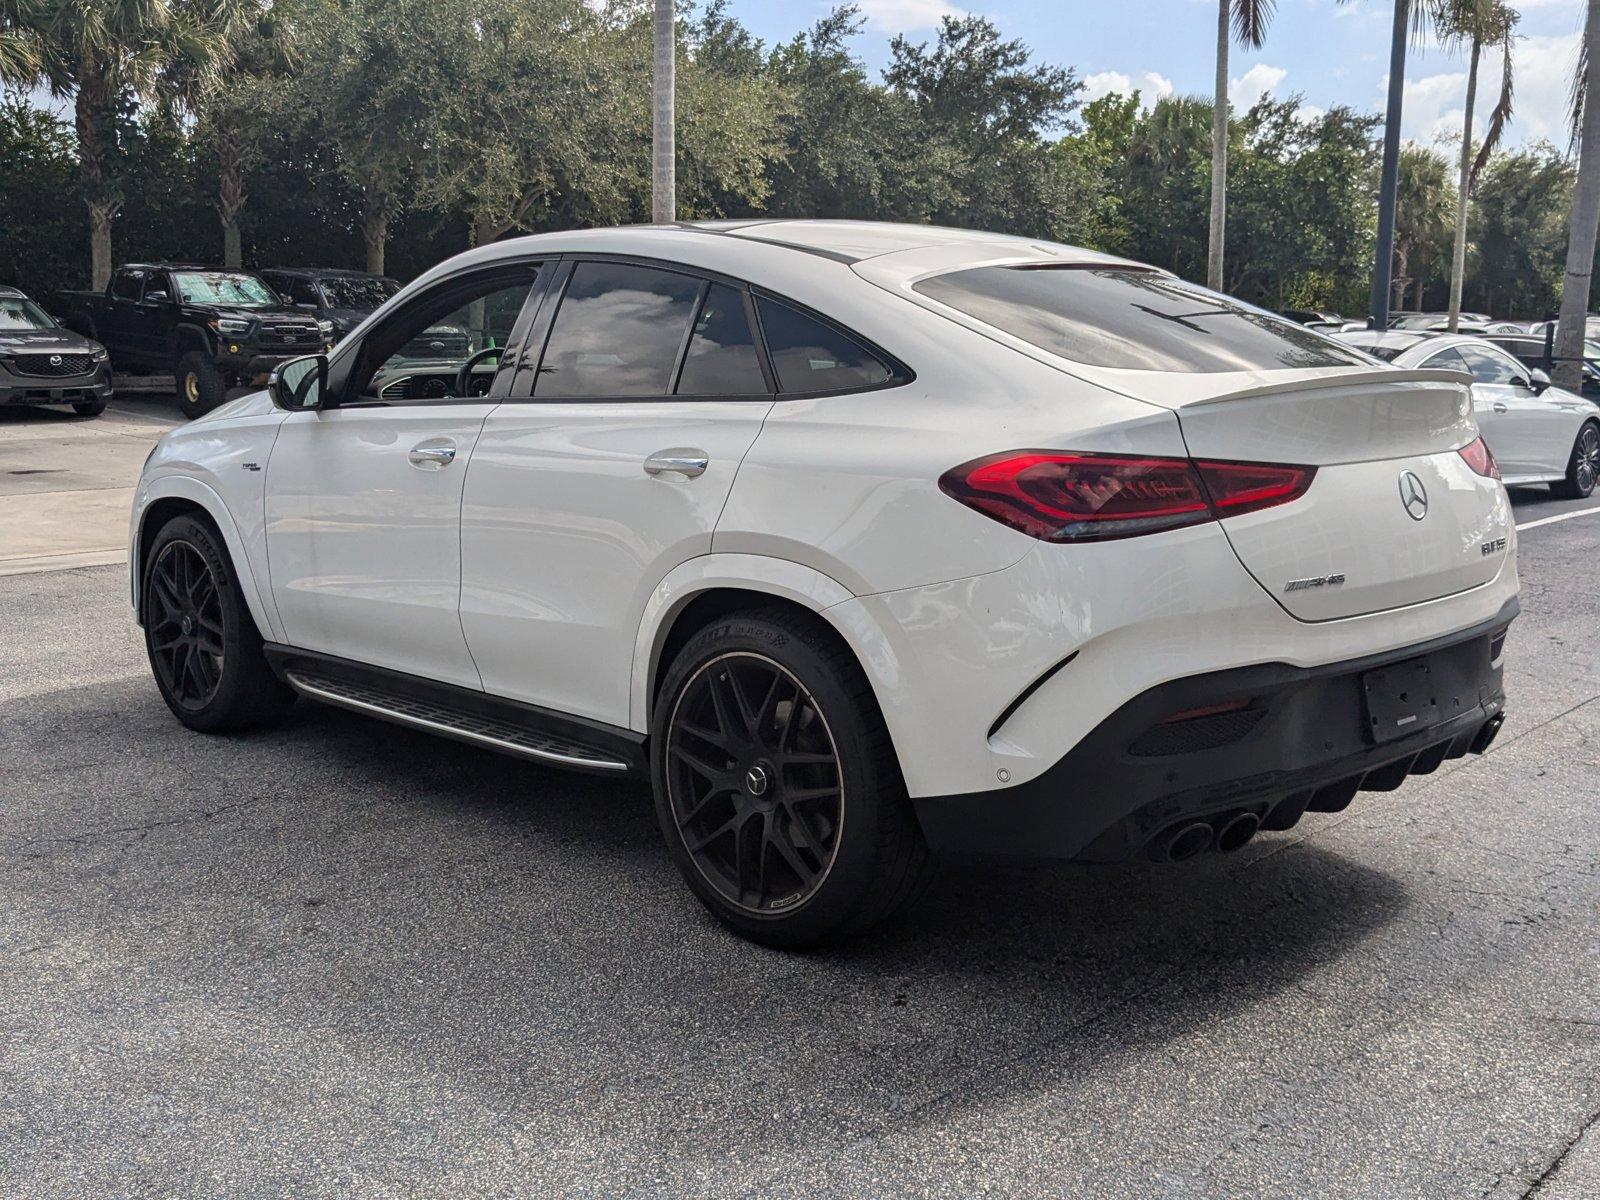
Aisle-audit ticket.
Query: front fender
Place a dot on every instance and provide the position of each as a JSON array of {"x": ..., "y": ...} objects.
[{"x": 186, "y": 487}]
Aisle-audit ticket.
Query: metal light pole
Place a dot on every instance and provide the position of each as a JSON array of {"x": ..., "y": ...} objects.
[
  {"x": 663, "y": 174},
  {"x": 1391, "y": 167}
]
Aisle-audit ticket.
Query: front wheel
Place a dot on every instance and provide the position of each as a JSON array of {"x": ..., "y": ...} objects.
[
  {"x": 1583, "y": 467},
  {"x": 204, "y": 648},
  {"x": 89, "y": 408},
  {"x": 776, "y": 784},
  {"x": 201, "y": 385}
]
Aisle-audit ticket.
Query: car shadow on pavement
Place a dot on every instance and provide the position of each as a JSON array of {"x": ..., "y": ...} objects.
[{"x": 486, "y": 937}]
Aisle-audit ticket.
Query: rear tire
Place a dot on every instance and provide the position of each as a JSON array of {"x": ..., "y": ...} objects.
[
  {"x": 200, "y": 383},
  {"x": 777, "y": 787},
  {"x": 1583, "y": 466},
  {"x": 89, "y": 409},
  {"x": 204, "y": 648}
]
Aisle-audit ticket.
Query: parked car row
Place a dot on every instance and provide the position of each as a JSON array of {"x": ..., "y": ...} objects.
[{"x": 42, "y": 363}]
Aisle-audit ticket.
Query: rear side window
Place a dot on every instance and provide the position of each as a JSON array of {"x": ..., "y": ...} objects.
[
  {"x": 1447, "y": 359},
  {"x": 127, "y": 285},
  {"x": 618, "y": 332},
  {"x": 1132, "y": 318},
  {"x": 808, "y": 356},
  {"x": 721, "y": 359}
]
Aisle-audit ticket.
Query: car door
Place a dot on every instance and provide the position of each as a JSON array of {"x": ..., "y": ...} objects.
[
  {"x": 606, "y": 467},
  {"x": 1535, "y": 432},
  {"x": 363, "y": 500},
  {"x": 120, "y": 316}
]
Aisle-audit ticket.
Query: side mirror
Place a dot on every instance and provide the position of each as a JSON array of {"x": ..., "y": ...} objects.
[
  {"x": 156, "y": 298},
  {"x": 1539, "y": 380},
  {"x": 301, "y": 384},
  {"x": 306, "y": 307}
]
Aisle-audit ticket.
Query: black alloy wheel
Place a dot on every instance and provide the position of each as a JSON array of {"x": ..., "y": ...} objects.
[
  {"x": 186, "y": 625},
  {"x": 754, "y": 782}
]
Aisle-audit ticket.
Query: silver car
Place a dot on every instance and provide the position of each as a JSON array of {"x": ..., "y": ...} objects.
[{"x": 1537, "y": 433}]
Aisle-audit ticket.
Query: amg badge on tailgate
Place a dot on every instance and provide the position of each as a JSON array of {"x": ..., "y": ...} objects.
[{"x": 1314, "y": 581}]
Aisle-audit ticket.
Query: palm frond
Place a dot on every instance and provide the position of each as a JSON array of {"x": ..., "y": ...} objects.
[
  {"x": 1499, "y": 116},
  {"x": 1576, "y": 95},
  {"x": 1250, "y": 21}
]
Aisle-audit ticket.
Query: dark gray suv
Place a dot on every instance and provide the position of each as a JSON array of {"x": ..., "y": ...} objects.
[{"x": 42, "y": 363}]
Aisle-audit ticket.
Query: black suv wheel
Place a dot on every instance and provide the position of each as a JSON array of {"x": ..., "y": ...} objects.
[
  {"x": 776, "y": 784},
  {"x": 204, "y": 648}
]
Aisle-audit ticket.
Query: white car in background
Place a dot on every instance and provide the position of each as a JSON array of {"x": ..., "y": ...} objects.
[
  {"x": 1538, "y": 433},
  {"x": 862, "y": 543}
]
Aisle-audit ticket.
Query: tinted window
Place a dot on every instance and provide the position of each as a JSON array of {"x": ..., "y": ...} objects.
[
  {"x": 301, "y": 292},
  {"x": 722, "y": 353},
  {"x": 1446, "y": 360},
  {"x": 618, "y": 332},
  {"x": 1138, "y": 319},
  {"x": 1387, "y": 353},
  {"x": 1491, "y": 368},
  {"x": 364, "y": 292},
  {"x": 808, "y": 356},
  {"x": 127, "y": 284}
]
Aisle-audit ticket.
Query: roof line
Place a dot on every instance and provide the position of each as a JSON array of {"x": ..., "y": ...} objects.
[{"x": 819, "y": 252}]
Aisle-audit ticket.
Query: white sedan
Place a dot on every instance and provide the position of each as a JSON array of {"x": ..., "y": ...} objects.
[
  {"x": 1538, "y": 433},
  {"x": 861, "y": 542}
]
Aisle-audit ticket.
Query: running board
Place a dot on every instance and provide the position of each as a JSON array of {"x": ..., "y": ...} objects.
[{"x": 458, "y": 713}]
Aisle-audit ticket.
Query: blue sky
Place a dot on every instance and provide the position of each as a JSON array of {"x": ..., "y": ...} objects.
[{"x": 1329, "y": 53}]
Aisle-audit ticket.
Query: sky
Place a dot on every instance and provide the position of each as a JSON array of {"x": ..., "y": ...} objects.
[{"x": 1326, "y": 52}]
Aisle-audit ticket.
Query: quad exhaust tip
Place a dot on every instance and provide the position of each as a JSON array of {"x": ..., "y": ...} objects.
[
  {"x": 1236, "y": 831},
  {"x": 1184, "y": 842}
]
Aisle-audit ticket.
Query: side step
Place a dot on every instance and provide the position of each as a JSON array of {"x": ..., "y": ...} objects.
[{"x": 467, "y": 716}]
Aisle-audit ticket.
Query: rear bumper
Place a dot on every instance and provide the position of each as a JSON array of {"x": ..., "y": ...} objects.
[{"x": 1305, "y": 740}]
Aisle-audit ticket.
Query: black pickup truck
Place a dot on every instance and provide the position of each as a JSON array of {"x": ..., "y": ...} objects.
[{"x": 213, "y": 328}]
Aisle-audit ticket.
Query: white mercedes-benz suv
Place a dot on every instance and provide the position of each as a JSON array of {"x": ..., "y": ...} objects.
[{"x": 862, "y": 542}]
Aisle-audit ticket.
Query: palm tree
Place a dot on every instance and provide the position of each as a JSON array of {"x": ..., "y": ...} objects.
[
  {"x": 1477, "y": 23},
  {"x": 1247, "y": 19},
  {"x": 1585, "y": 219},
  {"x": 102, "y": 53},
  {"x": 1421, "y": 219}
]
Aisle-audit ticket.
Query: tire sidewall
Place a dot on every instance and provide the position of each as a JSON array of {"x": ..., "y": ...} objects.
[
  {"x": 1578, "y": 492},
  {"x": 865, "y": 779},
  {"x": 210, "y": 387},
  {"x": 236, "y": 621}
]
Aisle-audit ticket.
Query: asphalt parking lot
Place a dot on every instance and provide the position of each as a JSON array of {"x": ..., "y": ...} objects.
[{"x": 339, "y": 958}]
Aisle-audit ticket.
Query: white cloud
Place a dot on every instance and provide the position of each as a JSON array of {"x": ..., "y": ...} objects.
[
  {"x": 1309, "y": 114},
  {"x": 1248, "y": 88},
  {"x": 1150, "y": 86},
  {"x": 906, "y": 16},
  {"x": 1436, "y": 104}
]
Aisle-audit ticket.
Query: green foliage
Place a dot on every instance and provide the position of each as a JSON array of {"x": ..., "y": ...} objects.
[{"x": 333, "y": 127}]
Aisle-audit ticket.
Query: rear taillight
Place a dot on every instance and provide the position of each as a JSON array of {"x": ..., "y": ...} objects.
[
  {"x": 1477, "y": 456},
  {"x": 1067, "y": 497}
]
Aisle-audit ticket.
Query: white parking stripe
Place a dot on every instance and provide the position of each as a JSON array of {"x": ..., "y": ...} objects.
[{"x": 1582, "y": 512}]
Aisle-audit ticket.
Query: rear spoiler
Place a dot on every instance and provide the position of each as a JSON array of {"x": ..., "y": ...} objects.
[{"x": 1339, "y": 378}]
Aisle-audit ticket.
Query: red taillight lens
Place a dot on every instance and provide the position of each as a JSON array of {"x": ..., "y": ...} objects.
[
  {"x": 1477, "y": 456},
  {"x": 1066, "y": 497}
]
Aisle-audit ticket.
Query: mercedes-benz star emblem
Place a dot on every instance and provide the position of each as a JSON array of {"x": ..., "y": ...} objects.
[{"x": 1413, "y": 495}]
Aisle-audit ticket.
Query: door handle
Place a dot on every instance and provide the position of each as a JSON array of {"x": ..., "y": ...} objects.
[
  {"x": 684, "y": 462},
  {"x": 1500, "y": 408},
  {"x": 433, "y": 455}
]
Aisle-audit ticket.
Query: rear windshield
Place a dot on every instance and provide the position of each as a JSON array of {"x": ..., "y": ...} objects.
[
  {"x": 1387, "y": 353},
  {"x": 363, "y": 292},
  {"x": 1132, "y": 318}
]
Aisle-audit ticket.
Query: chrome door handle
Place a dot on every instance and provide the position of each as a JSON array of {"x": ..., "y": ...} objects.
[
  {"x": 433, "y": 455},
  {"x": 684, "y": 462},
  {"x": 1500, "y": 408}
]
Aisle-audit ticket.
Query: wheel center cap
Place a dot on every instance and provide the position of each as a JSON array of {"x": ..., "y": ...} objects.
[
  {"x": 187, "y": 624},
  {"x": 756, "y": 780}
]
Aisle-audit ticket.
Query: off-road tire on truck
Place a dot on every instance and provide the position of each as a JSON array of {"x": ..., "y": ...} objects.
[{"x": 200, "y": 382}]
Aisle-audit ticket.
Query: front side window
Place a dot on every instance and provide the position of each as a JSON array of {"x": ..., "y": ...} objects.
[
  {"x": 361, "y": 292},
  {"x": 618, "y": 331},
  {"x": 17, "y": 312},
  {"x": 232, "y": 289},
  {"x": 1487, "y": 367},
  {"x": 446, "y": 343},
  {"x": 721, "y": 359},
  {"x": 809, "y": 356},
  {"x": 1132, "y": 318}
]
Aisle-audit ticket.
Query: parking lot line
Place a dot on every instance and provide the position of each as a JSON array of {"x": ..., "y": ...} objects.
[{"x": 1567, "y": 516}]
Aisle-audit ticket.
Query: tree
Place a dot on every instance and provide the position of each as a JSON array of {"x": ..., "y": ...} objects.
[
  {"x": 1519, "y": 232},
  {"x": 1584, "y": 223},
  {"x": 102, "y": 53},
  {"x": 236, "y": 106},
  {"x": 1421, "y": 220},
  {"x": 1477, "y": 23},
  {"x": 1248, "y": 19}
]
